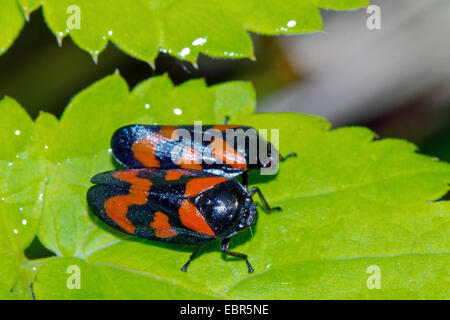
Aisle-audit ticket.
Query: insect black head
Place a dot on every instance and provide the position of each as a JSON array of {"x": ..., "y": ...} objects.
[
  {"x": 227, "y": 208},
  {"x": 264, "y": 156}
]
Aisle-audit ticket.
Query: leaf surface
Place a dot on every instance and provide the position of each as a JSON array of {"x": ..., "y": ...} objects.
[
  {"x": 349, "y": 202},
  {"x": 22, "y": 187}
]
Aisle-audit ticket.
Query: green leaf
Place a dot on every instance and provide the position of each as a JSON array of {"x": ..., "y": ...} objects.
[
  {"x": 104, "y": 282},
  {"x": 22, "y": 186},
  {"x": 350, "y": 203},
  {"x": 12, "y": 21},
  {"x": 181, "y": 28},
  {"x": 10, "y": 275},
  {"x": 410, "y": 276}
]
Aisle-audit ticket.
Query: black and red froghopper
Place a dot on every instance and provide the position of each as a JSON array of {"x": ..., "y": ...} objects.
[{"x": 184, "y": 202}]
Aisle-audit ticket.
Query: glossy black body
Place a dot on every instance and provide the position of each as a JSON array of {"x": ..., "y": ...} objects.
[{"x": 226, "y": 207}]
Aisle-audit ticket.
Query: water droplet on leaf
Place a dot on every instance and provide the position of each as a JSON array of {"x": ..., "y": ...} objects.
[
  {"x": 185, "y": 51},
  {"x": 292, "y": 23}
]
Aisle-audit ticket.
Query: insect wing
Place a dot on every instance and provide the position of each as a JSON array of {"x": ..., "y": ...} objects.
[
  {"x": 151, "y": 204},
  {"x": 170, "y": 147}
]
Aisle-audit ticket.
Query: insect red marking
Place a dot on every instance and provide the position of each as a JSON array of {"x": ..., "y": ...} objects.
[
  {"x": 167, "y": 131},
  {"x": 176, "y": 174},
  {"x": 144, "y": 150},
  {"x": 191, "y": 218},
  {"x": 117, "y": 207},
  {"x": 222, "y": 151},
  {"x": 198, "y": 185},
  {"x": 161, "y": 226}
]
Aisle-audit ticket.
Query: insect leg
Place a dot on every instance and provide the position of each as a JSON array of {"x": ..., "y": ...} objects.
[
  {"x": 224, "y": 247},
  {"x": 282, "y": 159},
  {"x": 263, "y": 200},
  {"x": 193, "y": 255},
  {"x": 245, "y": 180}
]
